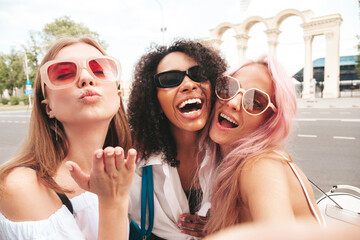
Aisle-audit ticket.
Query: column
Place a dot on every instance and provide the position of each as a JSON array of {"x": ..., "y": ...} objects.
[
  {"x": 241, "y": 44},
  {"x": 308, "y": 67},
  {"x": 332, "y": 66},
  {"x": 272, "y": 36}
]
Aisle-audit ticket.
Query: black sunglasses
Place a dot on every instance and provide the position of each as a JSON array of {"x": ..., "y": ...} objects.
[{"x": 174, "y": 78}]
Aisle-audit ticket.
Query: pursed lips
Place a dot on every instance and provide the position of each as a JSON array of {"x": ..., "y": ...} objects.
[{"x": 90, "y": 96}]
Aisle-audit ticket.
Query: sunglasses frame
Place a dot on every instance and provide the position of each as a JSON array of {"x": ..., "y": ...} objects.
[
  {"x": 243, "y": 91},
  {"x": 79, "y": 66},
  {"x": 182, "y": 76}
]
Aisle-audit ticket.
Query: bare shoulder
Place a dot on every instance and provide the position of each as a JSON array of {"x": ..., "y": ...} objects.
[
  {"x": 264, "y": 171},
  {"x": 25, "y": 198},
  {"x": 266, "y": 164}
]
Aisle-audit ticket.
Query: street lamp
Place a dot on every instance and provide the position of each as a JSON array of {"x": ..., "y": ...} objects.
[{"x": 162, "y": 29}]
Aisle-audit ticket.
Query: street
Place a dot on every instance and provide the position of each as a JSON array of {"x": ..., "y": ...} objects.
[{"x": 325, "y": 143}]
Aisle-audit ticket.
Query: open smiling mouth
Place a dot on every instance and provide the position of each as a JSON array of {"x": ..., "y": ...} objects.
[
  {"x": 226, "y": 121},
  {"x": 190, "y": 106}
]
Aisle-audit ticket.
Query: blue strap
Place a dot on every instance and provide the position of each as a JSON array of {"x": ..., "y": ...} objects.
[
  {"x": 147, "y": 199},
  {"x": 150, "y": 195}
]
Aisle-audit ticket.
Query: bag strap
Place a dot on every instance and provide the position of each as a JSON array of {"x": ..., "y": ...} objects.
[
  {"x": 66, "y": 201},
  {"x": 147, "y": 199}
]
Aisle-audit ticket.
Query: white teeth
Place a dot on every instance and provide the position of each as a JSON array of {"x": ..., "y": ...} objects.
[
  {"x": 228, "y": 118},
  {"x": 190, "y": 101},
  {"x": 190, "y": 112}
]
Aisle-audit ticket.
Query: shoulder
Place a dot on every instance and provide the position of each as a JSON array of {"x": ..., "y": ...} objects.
[
  {"x": 265, "y": 172},
  {"x": 25, "y": 198},
  {"x": 267, "y": 163}
]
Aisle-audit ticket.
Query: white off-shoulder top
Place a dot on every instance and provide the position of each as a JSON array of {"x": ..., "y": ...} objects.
[{"x": 83, "y": 224}]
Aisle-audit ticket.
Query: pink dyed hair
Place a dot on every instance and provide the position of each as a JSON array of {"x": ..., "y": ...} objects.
[{"x": 226, "y": 196}]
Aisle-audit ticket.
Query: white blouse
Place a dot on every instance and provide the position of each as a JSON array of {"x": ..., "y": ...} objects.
[
  {"x": 169, "y": 197},
  {"x": 60, "y": 225}
]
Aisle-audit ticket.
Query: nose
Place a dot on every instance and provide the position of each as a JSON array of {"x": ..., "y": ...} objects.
[
  {"x": 85, "y": 79},
  {"x": 188, "y": 85},
  {"x": 235, "y": 103}
]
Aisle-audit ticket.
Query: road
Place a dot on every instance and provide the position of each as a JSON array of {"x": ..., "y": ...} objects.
[
  {"x": 13, "y": 128},
  {"x": 325, "y": 143}
]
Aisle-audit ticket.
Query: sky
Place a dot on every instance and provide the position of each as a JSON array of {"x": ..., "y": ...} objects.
[{"x": 130, "y": 26}]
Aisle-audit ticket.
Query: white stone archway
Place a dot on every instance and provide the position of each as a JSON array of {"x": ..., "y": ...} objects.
[{"x": 313, "y": 26}]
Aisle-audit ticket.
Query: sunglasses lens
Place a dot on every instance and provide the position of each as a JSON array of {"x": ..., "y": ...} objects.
[
  {"x": 104, "y": 69},
  {"x": 170, "y": 79},
  {"x": 62, "y": 73},
  {"x": 195, "y": 74},
  {"x": 255, "y": 101},
  {"x": 226, "y": 87}
]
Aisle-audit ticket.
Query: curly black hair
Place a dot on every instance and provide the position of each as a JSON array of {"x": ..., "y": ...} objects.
[{"x": 150, "y": 128}]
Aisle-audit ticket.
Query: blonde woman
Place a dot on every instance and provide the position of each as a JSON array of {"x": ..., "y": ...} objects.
[{"x": 77, "y": 112}]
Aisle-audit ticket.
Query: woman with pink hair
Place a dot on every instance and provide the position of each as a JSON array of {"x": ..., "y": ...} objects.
[{"x": 256, "y": 180}]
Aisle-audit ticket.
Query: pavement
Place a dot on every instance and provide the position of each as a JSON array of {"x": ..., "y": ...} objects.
[
  {"x": 13, "y": 107},
  {"x": 344, "y": 102}
]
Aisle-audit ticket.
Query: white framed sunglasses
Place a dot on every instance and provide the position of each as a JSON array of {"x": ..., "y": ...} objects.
[
  {"x": 254, "y": 101},
  {"x": 63, "y": 73}
]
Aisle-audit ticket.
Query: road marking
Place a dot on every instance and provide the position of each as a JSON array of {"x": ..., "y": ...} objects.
[
  {"x": 350, "y": 120},
  {"x": 306, "y": 119},
  {"x": 17, "y": 111},
  {"x": 308, "y": 136},
  {"x": 324, "y": 112},
  {"x": 3, "y": 121},
  {"x": 327, "y": 119},
  {"x": 344, "y": 112},
  {"x": 2, "y": 115},
  {"x": 340, "y": 137}
]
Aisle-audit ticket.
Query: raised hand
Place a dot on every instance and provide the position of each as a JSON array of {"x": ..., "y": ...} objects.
[
  {"x": 110, "y": 178},
  {"x": 111, "y": 174}
]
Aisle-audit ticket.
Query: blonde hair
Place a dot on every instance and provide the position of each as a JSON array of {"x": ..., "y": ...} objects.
[{"x": 46, "y": 144}]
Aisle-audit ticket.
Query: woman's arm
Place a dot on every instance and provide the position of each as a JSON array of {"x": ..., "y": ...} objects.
[
  {"x": 265, "y": 190},
  {"x": 110, "y": 179}
]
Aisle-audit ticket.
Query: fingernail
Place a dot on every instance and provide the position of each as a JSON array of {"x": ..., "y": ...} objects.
[
  {"x": 99, "y": 155},
  {"x": 69, "y": 167},
  {"x": 118, "y": 153},
  {"x": 109, "y": 154},
  {"x": 181, "y": 216}
]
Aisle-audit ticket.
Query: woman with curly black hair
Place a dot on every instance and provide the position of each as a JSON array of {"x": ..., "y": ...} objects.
[{"x": 171, "y": 100}]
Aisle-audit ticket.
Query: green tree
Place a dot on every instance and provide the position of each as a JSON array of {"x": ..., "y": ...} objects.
[
  {"x": 40, "y": 41},
  {"x": 12, "y": 66},
  {"x": 34, "y": 52},
  {"x": 4, "y": 73},
  {"x": 16, "y": 73},
  {"x": 64, "y": 26}
]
